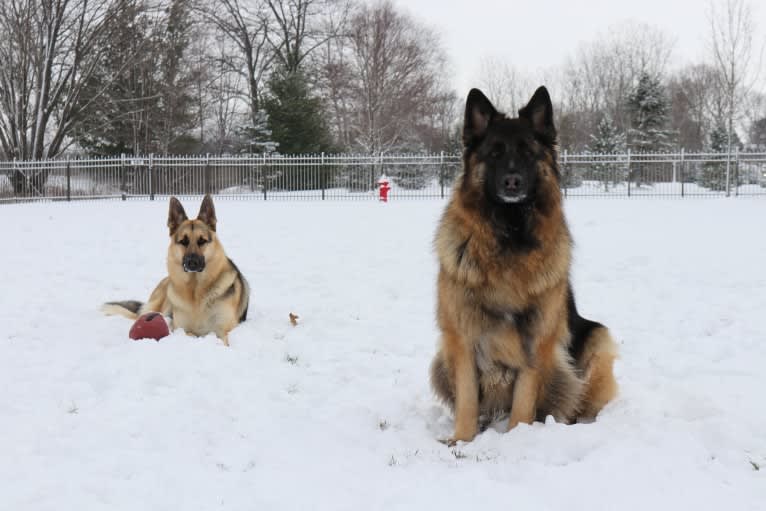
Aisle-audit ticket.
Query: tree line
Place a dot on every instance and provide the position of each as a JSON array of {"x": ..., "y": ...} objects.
[
  {"x": 620, "y": 91},
  {"x": 109, "y": 77}
]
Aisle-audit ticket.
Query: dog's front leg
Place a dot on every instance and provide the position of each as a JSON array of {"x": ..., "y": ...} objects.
[
  {"x": 463, "y": 363},
  {"x": 525, "y": 392}
]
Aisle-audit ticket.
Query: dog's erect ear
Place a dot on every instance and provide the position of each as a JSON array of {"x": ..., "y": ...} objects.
[
  {"x": 478, "y": 114},
  {"x": 539, "y": 113},
  {"x": 207, "y": 212},
  {"x": 176, "y": 215}
]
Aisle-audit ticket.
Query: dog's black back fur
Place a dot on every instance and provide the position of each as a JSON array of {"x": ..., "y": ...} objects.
[{"x": 579, "y": 328}]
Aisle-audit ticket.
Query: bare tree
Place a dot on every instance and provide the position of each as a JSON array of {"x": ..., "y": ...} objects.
[
  {"x": 48, "y": 51},
  {"x": 302, "y": 26},
  {"x": 598, "y": 79},
  {"x": 224, "y": 94},
  {"x": 507, "y": 87},
  {"x": 734, "y": 53},
  {"x": 395, "y": 63},
  {"x": 696, "y": 104},
  {"x": 246, "y": 24},
  {"x": 336, "y": 85}
]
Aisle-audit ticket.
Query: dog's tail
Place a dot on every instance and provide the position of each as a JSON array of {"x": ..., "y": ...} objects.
[
  {"x": 128, "y": 308},
  {"x": 594, "y": 351},
  {"x": 595, "y": 362}
]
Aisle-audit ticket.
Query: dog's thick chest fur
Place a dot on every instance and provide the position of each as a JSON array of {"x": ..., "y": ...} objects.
[{"x": 211, "y": 314}]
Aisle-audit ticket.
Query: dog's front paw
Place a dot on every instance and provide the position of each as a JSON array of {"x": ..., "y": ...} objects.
[{"x": 454, "y": 439}]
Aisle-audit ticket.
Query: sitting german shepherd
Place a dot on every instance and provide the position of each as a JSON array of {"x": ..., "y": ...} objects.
[
  {"x": 204, "y": 291},
  {"x": 512, "y": 339}
]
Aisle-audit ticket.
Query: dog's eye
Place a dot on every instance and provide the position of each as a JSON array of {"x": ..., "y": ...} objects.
[
  {"x": 184, "y": 241},
  {"x": 201, "y": 242}
]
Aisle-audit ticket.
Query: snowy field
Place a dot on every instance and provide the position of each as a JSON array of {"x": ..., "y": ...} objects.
[{"x": 336, "y": 413}]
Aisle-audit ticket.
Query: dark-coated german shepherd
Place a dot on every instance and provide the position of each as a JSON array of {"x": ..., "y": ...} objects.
[
  {"x": 204, "y": 291},
  {"x": 512, "y": 340}
]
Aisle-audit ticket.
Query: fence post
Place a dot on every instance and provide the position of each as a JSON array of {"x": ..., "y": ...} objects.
[
  {"x": 206, "y": 175},
  {"x": 736, "y": 171},
  {"x": 322, "y": 174},
  {"x": 728, "y": 170},
  {"x": 123, "y": 177},
  {"x": 151, "y": 176},
  {"x": 629, "y": 172},
  {"x": 683, "y": 166},
  {"x": 263, "y": 176},
  {"x": 15, "y": 175},
  {"x": 68, "y": 180},
  {"x": 441, "y": 172},
  {"x": 566, "y": 174},
  {"x": 375, "y": 160}
]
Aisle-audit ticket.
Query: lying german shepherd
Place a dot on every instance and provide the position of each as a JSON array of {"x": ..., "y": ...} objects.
[
  {"x": 512, "y": 340},
  {"x": 204, "y": 291}
]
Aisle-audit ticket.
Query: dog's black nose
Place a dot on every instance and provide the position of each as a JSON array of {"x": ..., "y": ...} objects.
[
  {"x": 193, "y": 263},
  {"x": 513, "y": 183}
]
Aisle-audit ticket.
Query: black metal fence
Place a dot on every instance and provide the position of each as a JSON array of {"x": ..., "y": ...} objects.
[{"x": 357, "y": 177}]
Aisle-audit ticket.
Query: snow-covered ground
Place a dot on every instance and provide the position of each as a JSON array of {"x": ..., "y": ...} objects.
[{"x": 337, "y": 413}]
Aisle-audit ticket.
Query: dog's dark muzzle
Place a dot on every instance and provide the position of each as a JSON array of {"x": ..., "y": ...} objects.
[
  {"x": 511, "y": 187},
  {"x": 193, "y": 263}
]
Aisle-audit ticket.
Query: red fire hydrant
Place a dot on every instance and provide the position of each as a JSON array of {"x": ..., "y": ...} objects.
[{"x": 384, "y": 188}]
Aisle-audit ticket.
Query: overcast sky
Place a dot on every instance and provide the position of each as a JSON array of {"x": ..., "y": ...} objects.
[{"x": 540, "y": 34}]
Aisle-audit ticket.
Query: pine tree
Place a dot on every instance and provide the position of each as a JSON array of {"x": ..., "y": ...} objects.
[
  {"x": 648, "y": 107},
  {"x": 297, "y": 123},
  {"x": 713, "y": 175},
  {"x": 607, "y": 141},
  {"x": 176, "y": 79},
  {"x": 123, "y": 117},
  {"x": 256, "y": 137},
  {"x": 142, "y": 104},
  {"x": 296, "y": 117},
  {"x": 758, "y": 134}
]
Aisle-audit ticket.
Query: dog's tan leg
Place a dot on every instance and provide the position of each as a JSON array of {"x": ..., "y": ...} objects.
[
  {"x": 525, "y": 392},
  {"x": 157, "y": 302},
  {"x": 462, "y": 360}
]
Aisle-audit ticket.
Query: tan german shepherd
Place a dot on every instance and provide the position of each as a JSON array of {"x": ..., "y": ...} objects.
[
  {"x": 204, "y": 291},
  {"x": 512, "y": 339}
]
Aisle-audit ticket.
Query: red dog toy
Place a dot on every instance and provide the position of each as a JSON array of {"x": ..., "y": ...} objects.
[{"x": 149, "y": 326}]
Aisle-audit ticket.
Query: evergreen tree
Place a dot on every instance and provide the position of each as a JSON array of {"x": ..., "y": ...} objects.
[
  {"x": 148, "y": 104},
  {"x": 256, "y": 137},
  {"x": 296, "y": 118},
  {"x": 713, "y": 175},
  {"x": 648, "y": 108},
  {"x": 122, "y": 118},
  {"x": 177, "y": 79},
  {"x": 607, "y": 141},
  {"x": 758, "y": 134}
]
